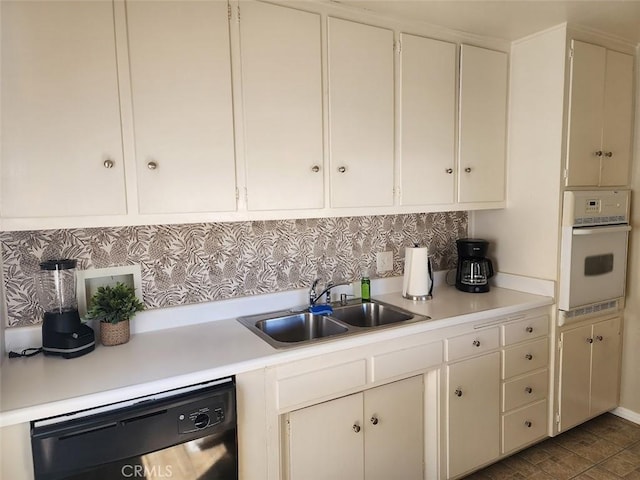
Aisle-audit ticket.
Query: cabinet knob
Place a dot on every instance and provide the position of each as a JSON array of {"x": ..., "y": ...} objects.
[
  {"x": 589, "y": 340},
  {"x": 476, "y": 343},
  {"x": 449, "y": 171},
  {"x": 152, "y": 165},
  {"x": 342, "y": 169},
  {"x": 468, "y": 169},
  {"x": 608, "y": 154},
  {"x": 108, "y": 163},
  {"x": 529, "y": 329},
  {"x": 598, "y": 153},
  {"x": 528, "y": 390},
  {"x": 528, "y": 356},
  {"x": 528, "y": 424},
  {"x": 458, "y": 392},
  {"x": 356, "y": 427},
  {"x": 374, "y": 420},
  {"x": 315, "y": 169},
  {"x": 599, "y": 338}
]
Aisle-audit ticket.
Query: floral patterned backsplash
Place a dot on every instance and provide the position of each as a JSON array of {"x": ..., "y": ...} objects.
[{"x": 183, "y": 264}]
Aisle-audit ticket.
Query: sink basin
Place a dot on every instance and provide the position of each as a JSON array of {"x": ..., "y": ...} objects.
[
  {"x": 370, "y": 315},
  {"x": 287, "y": 328},
  {"x": 293, "y": 328}
]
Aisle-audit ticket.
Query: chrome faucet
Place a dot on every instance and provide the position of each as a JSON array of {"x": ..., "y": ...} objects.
[{"x": 314, "y": 297}]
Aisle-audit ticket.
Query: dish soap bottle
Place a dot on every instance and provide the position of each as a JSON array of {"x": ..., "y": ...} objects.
[{"x": 365, "y": 287}]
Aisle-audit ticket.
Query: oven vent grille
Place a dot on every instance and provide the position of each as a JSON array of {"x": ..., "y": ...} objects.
[
  {"x": 581, "y": 313},
  {"x": 602, "y": 220}
]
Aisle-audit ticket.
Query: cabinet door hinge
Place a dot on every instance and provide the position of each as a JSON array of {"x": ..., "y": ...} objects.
[
  {"x": 559, "y": 344},
  {"x": 571, "y": 52},
  {"x": 238, "y": 19},
  {"x": 397, "y": 46},
  {"x": 557, "y": 418},
  {"x": 229, "y": 11},
  {"x": 565, "y": 173}
]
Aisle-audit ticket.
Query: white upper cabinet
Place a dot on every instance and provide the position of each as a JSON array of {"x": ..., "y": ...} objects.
[
  {"x": 600, "y": 116},
  {"x": 361, "y": 114},
  {"x": 483, "y": 125},
  {"x": 61, "y": 136},
  {"x": 182, "y": 106},
  {"x": 427, "y": 120},
  {"x": 282, "y": 107}
]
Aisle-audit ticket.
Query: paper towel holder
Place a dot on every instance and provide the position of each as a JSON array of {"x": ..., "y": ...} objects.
[{"x": 412, "y": 275}]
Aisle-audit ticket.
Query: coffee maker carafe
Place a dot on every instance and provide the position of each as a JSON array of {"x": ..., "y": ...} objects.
[
  {"x": 63, "y": 333},
  {"x": 474, "y": 269}
]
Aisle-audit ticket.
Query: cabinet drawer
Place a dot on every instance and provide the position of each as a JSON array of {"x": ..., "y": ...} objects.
[
  {"x": 321, "y": 383},
  {"x": 472, "y": 343},
  {"x": 524, "y": 426},
  {"x": 526, "y": 329},
  {"x": 413, "y": 359},
  {"x": 525, "y": 358},
  {"x": 523, "y": 390}
]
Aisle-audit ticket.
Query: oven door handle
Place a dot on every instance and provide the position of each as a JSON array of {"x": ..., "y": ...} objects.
[{"x": 599, "y": 230}]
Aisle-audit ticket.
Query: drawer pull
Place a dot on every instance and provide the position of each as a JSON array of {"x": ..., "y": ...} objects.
[
  {"x": 589, "y": 340},
  {"x": 458, "y": 393},
  {"x": 476, "y": 343},
  {"x": 599, "y": 338},
  {"x": 374, "y": 420},
  {"x": 356, "y": 428},
  {"x": 528, "y": 356},
  {"x": 528, "y": 390},
  {"x": 529, "y": 329},
  {"x": 528, "y": 424}
]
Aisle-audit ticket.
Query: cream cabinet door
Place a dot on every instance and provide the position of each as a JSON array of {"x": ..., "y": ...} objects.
[
  {"x": 617, "y": 119},
  {"x": 327, "y": 440},
  {"x": 427, "y": 120},
  {"x": 585, "y": 114},
  {"x": 361, "y": 113},
  {"x": 473, "y": 413},
  {"x": 482, "y": 125},
  {"x": 575, "y": 376},
  {"x": 394, "y": 431},
  {"x": 600, "y": 116},
  {"x": 181, "y": 89},
  {"x": 282, "y": 107},
  {"x": 605, "y": 366},
  {"x": 61, "y": 134}
]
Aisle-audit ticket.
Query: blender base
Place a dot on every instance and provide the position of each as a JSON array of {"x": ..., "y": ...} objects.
[{"x": 68, "y": 345}]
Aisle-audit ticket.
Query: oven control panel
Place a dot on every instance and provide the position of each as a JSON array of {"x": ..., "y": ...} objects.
[{"x": 591, "y": 208}]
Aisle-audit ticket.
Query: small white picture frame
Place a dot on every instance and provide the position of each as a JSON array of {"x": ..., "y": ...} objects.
[{"x": 88, "y": 282}]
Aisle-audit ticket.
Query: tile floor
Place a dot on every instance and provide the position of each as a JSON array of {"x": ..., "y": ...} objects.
[{"x": 605, "y": 448}]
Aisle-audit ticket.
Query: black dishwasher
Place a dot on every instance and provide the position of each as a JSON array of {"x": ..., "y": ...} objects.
[{"x": 183, "y": 434}]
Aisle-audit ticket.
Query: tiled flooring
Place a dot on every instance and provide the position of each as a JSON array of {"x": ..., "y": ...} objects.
[{"x": 605, "y": 448}]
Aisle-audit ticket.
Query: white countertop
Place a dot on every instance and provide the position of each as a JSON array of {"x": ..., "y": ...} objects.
[{"x": 40, "y": 386}]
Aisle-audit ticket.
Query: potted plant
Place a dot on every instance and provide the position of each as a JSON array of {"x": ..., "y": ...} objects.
[{"x": 114, "y": 306}]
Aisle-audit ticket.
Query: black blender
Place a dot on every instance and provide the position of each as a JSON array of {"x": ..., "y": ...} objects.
[{"x": 63, "y": 333}]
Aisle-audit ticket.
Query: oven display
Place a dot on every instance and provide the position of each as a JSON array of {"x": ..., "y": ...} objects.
[{"x": 592, "y": 206}]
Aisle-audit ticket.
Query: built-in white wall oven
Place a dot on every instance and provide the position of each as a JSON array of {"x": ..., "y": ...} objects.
[{"x": 593, "y": 259}]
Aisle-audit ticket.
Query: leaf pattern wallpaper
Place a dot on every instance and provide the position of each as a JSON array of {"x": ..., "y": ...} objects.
[{"x": 184, "y": 264}]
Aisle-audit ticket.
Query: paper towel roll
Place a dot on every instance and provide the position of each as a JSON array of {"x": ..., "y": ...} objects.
[{"x": 417, "y": 278}]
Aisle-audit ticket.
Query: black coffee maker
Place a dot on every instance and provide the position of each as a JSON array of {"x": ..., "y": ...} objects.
[{"x": 474, "y": 269}]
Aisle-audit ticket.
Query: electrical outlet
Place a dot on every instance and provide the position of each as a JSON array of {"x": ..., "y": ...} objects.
[{"x": 384, "y": 262}]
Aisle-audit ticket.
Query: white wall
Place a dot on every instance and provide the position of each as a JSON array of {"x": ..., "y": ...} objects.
[
  {"x": 524, "y": 236},
  {"x": 630, "y": 383}
]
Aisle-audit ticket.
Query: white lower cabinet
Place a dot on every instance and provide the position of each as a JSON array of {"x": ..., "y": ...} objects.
[
  {"x": 525, "y": 382},
  {"x": 473, "y": 413},
  {"x": 589, "y": 371},
  {"x": 375, "y": 434}
]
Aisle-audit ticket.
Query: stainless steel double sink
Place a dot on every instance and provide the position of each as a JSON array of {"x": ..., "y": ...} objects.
[{"x": 289, "y": 328}]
